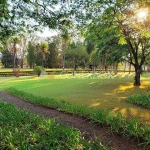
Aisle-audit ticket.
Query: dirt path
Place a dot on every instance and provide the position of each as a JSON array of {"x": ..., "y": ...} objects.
[{"x": 89, "y": 130}]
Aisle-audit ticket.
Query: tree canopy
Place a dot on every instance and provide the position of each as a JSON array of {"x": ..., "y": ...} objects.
[
  {"x": 17, "y": 16},
  {"x": 117, "y": 29},
  {"x": 120, "y": 27}
]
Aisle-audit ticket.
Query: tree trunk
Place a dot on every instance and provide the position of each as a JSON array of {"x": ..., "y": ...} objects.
[
  {"x": 115, "y": 67},
  {"x": 103, "y": 63},
  {"x": 148, "y": 67},
  {"x": 21, "y": 63},
  {"x": 138, "y": 72},
  {"x": 63, "y": 65},
  {"x": 94, "y": 69},
  {"x": 74, "y": 67},
  {"x": 125, "y": 64},
  {"x": 129, "y": 68},
  {"x": 14, "y": 61}
]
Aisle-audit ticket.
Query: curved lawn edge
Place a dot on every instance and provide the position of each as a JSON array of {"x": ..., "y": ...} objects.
[{"x": 130, "y": 127}]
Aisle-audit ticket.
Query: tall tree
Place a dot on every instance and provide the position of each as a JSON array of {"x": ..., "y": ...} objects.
[
  {"x": 130, "y": 22},
  {"x": 7, "y": 59},
  {"x": 14, "y": 41},
  {"x": 65, "y": 43},
  {"x": 31, "y": 55},
  {"x": 43, "y": 48},
  {"x": 76, "y": 53},
  {"x": 51, "y": 61}
]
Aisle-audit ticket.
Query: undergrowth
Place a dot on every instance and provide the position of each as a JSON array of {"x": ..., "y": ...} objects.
[
  {"x": 22, "y": 130},
  {"x": 117, "y": 123},
  {"x": 141, "y": 99}
]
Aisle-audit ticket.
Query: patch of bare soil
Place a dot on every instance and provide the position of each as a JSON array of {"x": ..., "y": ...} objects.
[{"x": 89, "y": 130}]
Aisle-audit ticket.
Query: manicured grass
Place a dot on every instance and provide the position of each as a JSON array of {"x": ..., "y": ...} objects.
[
  {"x": 22, "y": 130},
  {"x": 109, "y": 94}
]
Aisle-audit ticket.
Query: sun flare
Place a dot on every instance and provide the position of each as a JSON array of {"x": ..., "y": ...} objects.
[{"x": 142, "y": 14}]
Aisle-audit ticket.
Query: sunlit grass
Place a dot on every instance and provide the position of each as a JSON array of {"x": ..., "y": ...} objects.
[{"x": 103, "y": 93}]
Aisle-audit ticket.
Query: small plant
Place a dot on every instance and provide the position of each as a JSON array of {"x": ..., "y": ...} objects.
[
  {"x": 17, "y": 72},
  {"x": 148, "y": 90},
  {"x": 140, "y": 99},
  {"x": 115, "y": 120},
  {"x": 38, "y": 69},
  {"x": 98, "y": 116}
]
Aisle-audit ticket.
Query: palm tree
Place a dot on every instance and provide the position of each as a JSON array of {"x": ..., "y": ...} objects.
[
  {"x": 66, "y": 40},
  {"x": 44, "y": 49}
]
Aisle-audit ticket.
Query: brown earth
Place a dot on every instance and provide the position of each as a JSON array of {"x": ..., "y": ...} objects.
[{"x": 88, "y": 129}]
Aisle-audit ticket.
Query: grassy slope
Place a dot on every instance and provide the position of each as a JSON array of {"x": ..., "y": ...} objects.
[{"x": 109, "y": 94}]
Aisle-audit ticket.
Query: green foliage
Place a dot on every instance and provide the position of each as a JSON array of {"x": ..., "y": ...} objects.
[
  {"x": 122, "y": 41},
  {"x": 3, "y": 2},
  {"x": 27, "y": 1},
  {"x": 133, "y": 127},
  {"x": 7, "y": 60},
  {"x": 38, "y": 69},
  {"x": 117, "y": 30},
  {"x": 65, "y": 36},
  {"x": 118, "y": 123},
  {"x": 89, "y": 46},
  {"x": 98, "y": 116},
  {"x": 31, "y": 55},
  {"x": 43, "y": 46},
  {"x": 140, "y": 99},
  {"x": 51, "y": 61},
  {"x": 21, "y": 129},
  {"x": 23, "y": 10},
  {"x": 94, "y": 58},
  {"x": 77, "y": 54}
]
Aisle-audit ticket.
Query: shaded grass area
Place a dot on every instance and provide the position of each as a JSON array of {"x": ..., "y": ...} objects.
[
  {"x": 109, "y": 94},
  {"x": 20, "y": 129}
]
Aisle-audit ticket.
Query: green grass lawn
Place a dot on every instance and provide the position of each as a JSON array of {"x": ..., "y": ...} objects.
[{"x": 103, "y": 93}]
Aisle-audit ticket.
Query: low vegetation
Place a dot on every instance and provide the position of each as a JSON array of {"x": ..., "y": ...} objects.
[
  {"x": 20, "y": 129},
  {"x": 38, "y": 70},
  {"x": 140, "y": 99},
  {"x": 115, "y": 121}
]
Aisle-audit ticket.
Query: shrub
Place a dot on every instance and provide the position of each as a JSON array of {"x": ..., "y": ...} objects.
[
  {"x": 38, "y": 69},
  {"x": 140, "y": 99},
  {"x": 17, "y": 72}
]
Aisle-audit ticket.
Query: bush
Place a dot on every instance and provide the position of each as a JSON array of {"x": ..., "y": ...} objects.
[
  {"x": 17, "y": 72},
  {"x": 38, "y": 69},
  {"x": 140, "y": 99}
]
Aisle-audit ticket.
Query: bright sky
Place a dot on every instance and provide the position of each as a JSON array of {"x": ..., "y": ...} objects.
[{"x": 47, "y": 33}]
